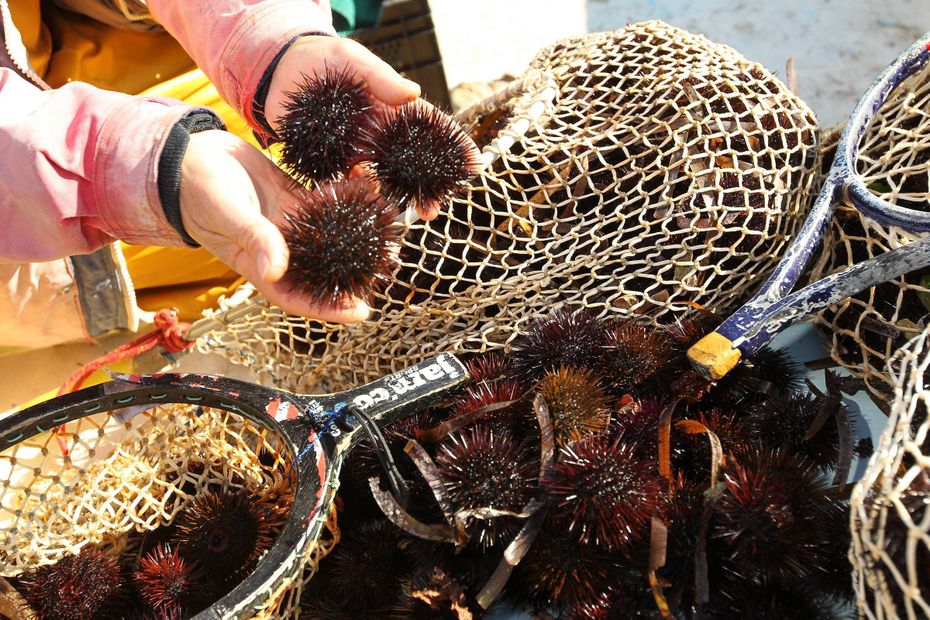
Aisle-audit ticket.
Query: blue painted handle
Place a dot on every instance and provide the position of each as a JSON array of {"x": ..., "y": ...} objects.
[
  {"x": 770, "y": 311},
  {"x": 833, "y": 289},
  {"x": 847, "y": 151}
]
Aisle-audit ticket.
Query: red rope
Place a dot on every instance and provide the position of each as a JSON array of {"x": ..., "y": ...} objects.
[{"x": 169, "y": 334}]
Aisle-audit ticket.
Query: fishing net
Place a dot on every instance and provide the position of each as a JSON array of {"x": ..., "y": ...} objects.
[
  {"x": 891, "y": 503},
  {"x": 894, "y": 160},
  {"x": 628, "y": 172},
  {"x": 103, "y": 480}
]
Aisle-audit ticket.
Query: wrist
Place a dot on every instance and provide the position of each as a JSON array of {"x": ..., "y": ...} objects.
[{"x": 170, "y": 163}]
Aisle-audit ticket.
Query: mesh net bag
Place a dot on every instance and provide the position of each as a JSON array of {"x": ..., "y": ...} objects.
[
  {"x": 894, "y": 160},
  {"x": 634, "y": 171},
  {"x": 890, "y": 505},
  {"x": 120, "y": 473}
]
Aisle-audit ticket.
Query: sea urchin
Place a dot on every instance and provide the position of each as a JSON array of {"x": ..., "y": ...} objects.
[
  {"x": 226, "y": 532},
  {"x": 481, "y": 468},
  {"x": 168, "y": 583},
  {"x": 601, "y": 493},
  {"x": 342, "y": 242},
  {"x": 323, "y": 121},
  {"x": 577, "y": 404},
  {"x": 418, "y": 153},
  {"x": 77, "y": 587}
]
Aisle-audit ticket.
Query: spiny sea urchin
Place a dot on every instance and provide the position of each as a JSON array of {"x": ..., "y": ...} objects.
[
  {"x": 170, "y": 584},
  {"x": 483, "y": 468},
  {"x": 342, "y": 240},
  {"x": 364, "y": 576},
  {"x": 770, "y": 516},
  {"x": 226, "y": 532},
  {"x": 601, "y": 493},
  {"x": 638, "y": 426},
  {"x": 785, "y": 421},
  {"x": 634, "y": 353},
  {"x": 322, "y": 125},
  {"x": 77, "y": 587},
  {"x": 418, "y": 153},
  {"x": 562, "y": 339},
  {"x": 490, "y": 367},
  {"x": 768, "y": 372},
  {"x": 484, "y": 393},
  {"x": 558, "y": 573},
  {"x": 770, "y": 600},
  {"x": 577, "y": 404}
]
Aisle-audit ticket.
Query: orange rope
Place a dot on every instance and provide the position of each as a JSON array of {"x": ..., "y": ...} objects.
[{"x": 169, "y": 333}]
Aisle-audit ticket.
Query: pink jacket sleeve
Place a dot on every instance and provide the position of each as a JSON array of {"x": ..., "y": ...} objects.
[
  {"x": 234, "y": 41},
  {"x": 78, "y": 169}
]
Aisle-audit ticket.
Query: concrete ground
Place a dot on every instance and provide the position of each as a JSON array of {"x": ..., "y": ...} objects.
[{"x": 838, "y": 46}]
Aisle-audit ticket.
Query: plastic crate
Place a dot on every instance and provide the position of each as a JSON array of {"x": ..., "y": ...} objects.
[{"x": 406, "y": 39}]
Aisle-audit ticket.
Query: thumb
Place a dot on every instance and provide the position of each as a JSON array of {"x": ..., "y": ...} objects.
[
  {"x": 384, "y": 83},
  {"x": 265, "y": 248}
]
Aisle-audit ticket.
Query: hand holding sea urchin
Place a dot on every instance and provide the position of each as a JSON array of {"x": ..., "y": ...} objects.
[
  {"x": 418, "y": 153},
  {"x": 342, "y": 241}
]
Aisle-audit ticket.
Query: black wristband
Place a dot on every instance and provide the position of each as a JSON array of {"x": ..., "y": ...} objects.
[
  {"x": 264, "y": 84},
  {"x": 169, "y": 164}
]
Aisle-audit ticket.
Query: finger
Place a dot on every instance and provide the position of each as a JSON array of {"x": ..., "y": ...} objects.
[
  {"x": 266, "y": 254},
  {"x": 350, "y": 310},
  {"x": 384, "y": 83},
  {"x": 274, "y": 187},
  {"x": 428, "y": 209}
]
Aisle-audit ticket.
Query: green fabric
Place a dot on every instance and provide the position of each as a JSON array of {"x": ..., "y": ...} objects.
[{"x": 351, "y": 15}]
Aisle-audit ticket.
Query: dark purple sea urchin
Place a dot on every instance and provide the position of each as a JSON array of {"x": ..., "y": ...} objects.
[
  {"x": 226, "y": 532},
  {"x": 634, "y": 353},
  {"x": 418, "y": 153},
  {"x": 560, "y": 574},
  {"x": 563, "y": 338},
  {"x": 77, "y": 587},
  {"x": 483, "y": 468},
  {"x": 323, "y": 121},
  {"x": 771, "y": 517},
  {"x": 341, "y": 241},
  {"x": 364, "y": 576},
  {"x": 601, "y": 493}
]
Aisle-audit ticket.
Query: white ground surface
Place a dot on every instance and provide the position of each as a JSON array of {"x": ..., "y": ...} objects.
[{"x": 838, "y": 45}]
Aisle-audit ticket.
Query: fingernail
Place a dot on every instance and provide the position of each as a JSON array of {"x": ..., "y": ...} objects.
[
  {"x": 359, "y": 308},
  {"x": 271, "y": 266},
  {"x": 412, "y": 86},
  {"x": 264, "y": 266}
]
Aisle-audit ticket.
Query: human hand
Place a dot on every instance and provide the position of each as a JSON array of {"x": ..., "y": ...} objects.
[
  {"x": 232, "y": 200},
  {"x": 311, "y": 55}
]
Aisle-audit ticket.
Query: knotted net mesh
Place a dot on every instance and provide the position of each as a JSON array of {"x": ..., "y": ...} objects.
[
  {"x": 627, "y": 172},
  {"x": 890, "y": 505},
  {"x": 894, "y": 160}
]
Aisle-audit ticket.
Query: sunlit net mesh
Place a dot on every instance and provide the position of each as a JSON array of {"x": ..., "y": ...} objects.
[
  {"x": 107, "y": 475},
  {"x": 894, "y": 160},
  {"x": 891, "y": 503},
  {"x": 632, "y": 171}
]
